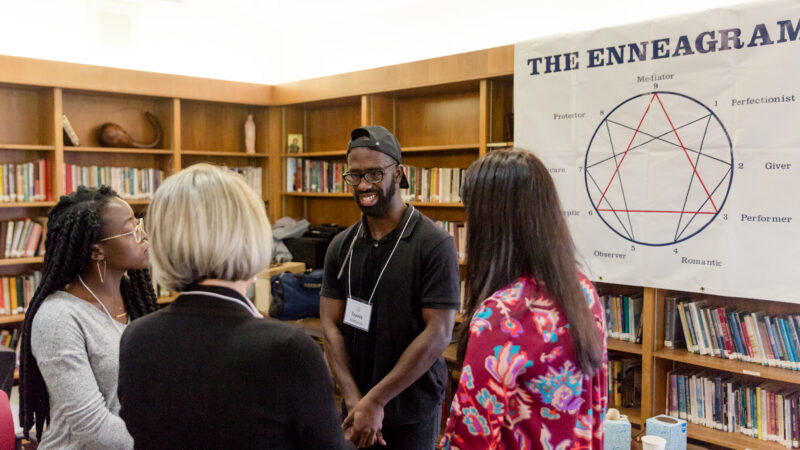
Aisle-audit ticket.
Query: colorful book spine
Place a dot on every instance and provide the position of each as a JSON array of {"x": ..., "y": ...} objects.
[
  {"x": 130, "y": 183},
  {"x": 25, "y": 182}
]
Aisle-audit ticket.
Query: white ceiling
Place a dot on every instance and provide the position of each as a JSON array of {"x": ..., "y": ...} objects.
[{"x": 273, "y": 41}]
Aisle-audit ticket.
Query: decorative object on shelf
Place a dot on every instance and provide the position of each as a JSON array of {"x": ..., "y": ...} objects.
[
  {"x": 113, "y": 135},
  {"x": 70, "y": 137},
  {"x": 670, "y": 429},
  {"x": 250, "y": 134},
  {"x": 618, "y": 431},
  {"x": 294, "y": 143}
]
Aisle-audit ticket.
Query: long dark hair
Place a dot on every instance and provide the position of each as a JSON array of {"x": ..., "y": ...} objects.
[
  {"x": 73, "y": 227},
  {"x": 515, "y": 228}
]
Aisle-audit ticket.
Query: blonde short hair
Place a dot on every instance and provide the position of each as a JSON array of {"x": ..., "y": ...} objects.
[{"x": 206, "y": 223}]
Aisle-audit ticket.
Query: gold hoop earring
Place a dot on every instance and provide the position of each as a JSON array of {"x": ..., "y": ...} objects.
[{"x": 101, "y": 274}]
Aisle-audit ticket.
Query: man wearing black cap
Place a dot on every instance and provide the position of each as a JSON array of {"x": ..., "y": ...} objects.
[{"x": 389, "y": 298}]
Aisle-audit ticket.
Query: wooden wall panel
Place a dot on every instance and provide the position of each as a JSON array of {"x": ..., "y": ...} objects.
[
  {"x": 218, "y": 126},
  {"x": 328, "y": 127},
  {"x": 39, "y": 72},
  {"x": 444, "y": 119},
  {"x": 475, "y": 65},
  {"x": 25, "y": 115}
]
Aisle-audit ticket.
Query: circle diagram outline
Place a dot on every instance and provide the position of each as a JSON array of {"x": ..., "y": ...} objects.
[{"x": 730, "y": 176}]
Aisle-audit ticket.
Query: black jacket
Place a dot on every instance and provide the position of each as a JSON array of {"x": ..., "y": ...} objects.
[{"x": 205, "y": 373}]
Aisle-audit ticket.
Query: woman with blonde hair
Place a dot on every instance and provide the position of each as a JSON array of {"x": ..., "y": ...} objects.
[{"x": 208, "y": 371}]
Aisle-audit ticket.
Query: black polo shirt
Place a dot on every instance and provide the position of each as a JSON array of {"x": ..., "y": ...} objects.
[{"x": 423, "y": 273}]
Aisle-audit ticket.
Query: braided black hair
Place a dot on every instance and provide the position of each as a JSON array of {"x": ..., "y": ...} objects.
[{"x": 74, "y": 226}]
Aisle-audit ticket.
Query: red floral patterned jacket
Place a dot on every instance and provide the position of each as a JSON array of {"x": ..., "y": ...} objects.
[{"x": 521, "y": 386}]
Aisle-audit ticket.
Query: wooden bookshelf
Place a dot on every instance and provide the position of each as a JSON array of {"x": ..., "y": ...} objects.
[
  {"x": 322, "y": 154},
  {"x": 12, "y": 319},
  {"x": 729, "y": 440},
  {"x": 206, "y": 117},
  {"x": 225, "y": 154},
  {"x": 319, "y": 194},
  {"x": 21, "y": 261},
  {"x": 28, "y": 205},
  {"x": 624, "y": 346},
  {"x": 113, "y": 150},
  {"x": 731, "y": 366},
  {"x": 28, "y": 148}
]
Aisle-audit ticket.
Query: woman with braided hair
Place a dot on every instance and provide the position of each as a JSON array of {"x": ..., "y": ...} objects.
[{"x": 95, "y": 280}]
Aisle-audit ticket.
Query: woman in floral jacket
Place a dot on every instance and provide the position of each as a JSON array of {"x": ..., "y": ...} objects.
[{"x": 535, "y": 361}]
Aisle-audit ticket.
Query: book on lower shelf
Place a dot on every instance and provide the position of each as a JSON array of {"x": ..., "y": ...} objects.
[
  {"x": 764, "y": 411},
  {"x": 459, "y": 232},
  {"x": 625, "y": 382},
  {"x": 26, "y": 182},
  {"x": 623, "y": 317},
  {"x": 304, "y": 175},
  {"x": 726, "y": 332},
  {"x": 22, "y": 238},
  {"x": 130, "y": 183},
  {"x": 17, "y": 292},
  {"x": 10, "y": 338},
  {"x": 253, "y": 176},
  {"x": 433, "y": 184}
]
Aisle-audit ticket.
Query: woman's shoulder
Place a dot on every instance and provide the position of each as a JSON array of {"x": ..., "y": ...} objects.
[
  {"x": 276, "y": 335},
  {"x": 58, "y": 307}
]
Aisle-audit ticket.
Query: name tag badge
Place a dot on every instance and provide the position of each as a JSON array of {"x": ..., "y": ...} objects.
[{"x": 357, "y": 313}]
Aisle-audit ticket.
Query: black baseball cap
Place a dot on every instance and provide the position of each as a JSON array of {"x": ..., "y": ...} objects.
[{"x": 378, "y": 139}]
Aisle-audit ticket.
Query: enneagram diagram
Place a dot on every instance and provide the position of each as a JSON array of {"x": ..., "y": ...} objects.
[{"x": 692, "y": 144}]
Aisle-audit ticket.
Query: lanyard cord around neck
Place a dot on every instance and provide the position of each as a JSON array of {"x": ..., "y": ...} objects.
[
  {"x": 350, "y": 261},
  {"x": 247, "y": 304}
]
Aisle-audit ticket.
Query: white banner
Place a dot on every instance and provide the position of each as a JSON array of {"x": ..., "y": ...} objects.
[{"x": 675, "y": 146}]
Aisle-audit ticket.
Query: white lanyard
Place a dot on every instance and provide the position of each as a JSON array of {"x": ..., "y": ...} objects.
[
  {"x": 247, "y": 304},
  {"x": 350, "y": 254}
]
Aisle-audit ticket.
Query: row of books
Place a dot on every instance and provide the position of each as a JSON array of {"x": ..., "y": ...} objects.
[
  {"x": 131, "y": 183},
  {"x": 733, "y": 334},
  {"x": 766, "y": 411},
  {"x": 433, "y": 184},
  {"x": 459, "y": 232},
  {"x": 625, "y": 382},
  {"x": 10, "y": 338},
  {"x": 253, "y": 176},
  {"x": 310, "y": 175},
  {"x": 623, "y": 317},
  {"x": 22, "y": 238},
  {"x": 17, "y": 292},
  {"x": 26, "y": 182}
]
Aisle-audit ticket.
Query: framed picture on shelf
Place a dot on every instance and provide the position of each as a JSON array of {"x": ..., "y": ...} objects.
[{"x": 294, "y": 143}]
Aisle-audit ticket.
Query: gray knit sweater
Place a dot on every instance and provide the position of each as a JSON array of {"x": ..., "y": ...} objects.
[{"x": 76, "y": 346}]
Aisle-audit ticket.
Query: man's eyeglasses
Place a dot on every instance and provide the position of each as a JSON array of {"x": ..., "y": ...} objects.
[
  {"x": 138, "y": 233},
  {"x": 372, "y": 176}
]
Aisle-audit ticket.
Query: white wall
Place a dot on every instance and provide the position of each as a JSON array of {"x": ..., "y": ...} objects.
[{"x": 273, "y": 41}]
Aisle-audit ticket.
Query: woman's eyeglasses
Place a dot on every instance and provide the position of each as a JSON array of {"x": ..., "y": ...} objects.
[{"x": 138, "y": 232}]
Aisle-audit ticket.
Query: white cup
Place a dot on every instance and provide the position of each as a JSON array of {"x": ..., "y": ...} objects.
[{"x": 653, "y": 443}]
